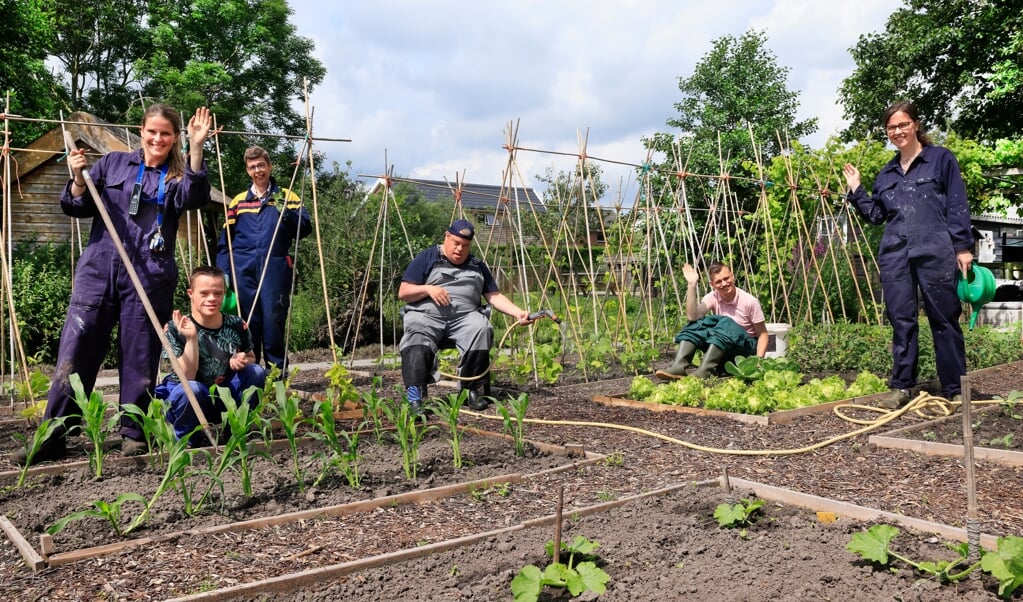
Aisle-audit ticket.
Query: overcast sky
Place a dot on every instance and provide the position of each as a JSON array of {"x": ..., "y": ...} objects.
[{"x": 435, "y": 84}]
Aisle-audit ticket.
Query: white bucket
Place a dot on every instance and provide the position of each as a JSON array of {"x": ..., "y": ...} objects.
[{"x": 778, "y": 341}]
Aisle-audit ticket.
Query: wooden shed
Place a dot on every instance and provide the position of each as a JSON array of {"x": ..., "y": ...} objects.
[{"x": 40, "y": 172}]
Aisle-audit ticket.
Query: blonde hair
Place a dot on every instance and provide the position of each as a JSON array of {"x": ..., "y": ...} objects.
[{"x": 175, "y": 159}]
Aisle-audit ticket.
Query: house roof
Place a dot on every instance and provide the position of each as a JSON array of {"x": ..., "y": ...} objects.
[
  {"x": 98, "y": 135},
  {"x": 473, "y": 196}
]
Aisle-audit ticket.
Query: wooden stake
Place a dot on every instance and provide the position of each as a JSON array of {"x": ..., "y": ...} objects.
[{"x": 557, "y": 524}]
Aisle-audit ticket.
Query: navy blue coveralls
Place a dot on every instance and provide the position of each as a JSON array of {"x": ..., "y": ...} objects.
[
  {"x": 928, "y": 222},
  {"x": 104, "y": 295},
  {"x": 253, "y": 222}
]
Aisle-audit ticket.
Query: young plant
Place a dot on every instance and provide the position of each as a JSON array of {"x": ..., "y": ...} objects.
[
  {"x": 873, "y": 545},
  {"x": 290, "y": 416},
  {"x": 95, "y": 425},
  {"x": 158, "y": 432},
  {"x": 1005, "y": 564},
  {"x": 46, "y": 429},
  {"x": 578, "y": 575},
  {"x": 740, "y": 515},
  {"x": 240, "y": 420},
  {"x": 513, "y": 414},
  {"x": 408, "y": 434},
  {"x": 447, "y": 409},
  {"x": 342, "y": 446},
  {"x": 111, "y": 511},
  {"x": 340, "y": 384},
  {"x": 372, "y": 412}
]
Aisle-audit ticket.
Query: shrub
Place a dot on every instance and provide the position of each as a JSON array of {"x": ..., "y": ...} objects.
[{"x": 41, "y": 276}]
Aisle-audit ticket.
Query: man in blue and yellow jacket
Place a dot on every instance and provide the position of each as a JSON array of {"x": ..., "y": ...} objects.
[{"x": 263, "y": 222}]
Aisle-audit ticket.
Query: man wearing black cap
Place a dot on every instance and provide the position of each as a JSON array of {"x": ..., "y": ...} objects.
[{"x": 443, "y": 287}]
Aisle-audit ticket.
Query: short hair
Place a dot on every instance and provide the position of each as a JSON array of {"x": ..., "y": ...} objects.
[
  {"x": 206, "y": 270},
  {"x": 715, "y": 267},
  {"x": 256, "y": 152}
]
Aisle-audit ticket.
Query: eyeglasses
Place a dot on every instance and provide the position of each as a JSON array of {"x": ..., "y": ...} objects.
[{"x": 898, "y": 127}]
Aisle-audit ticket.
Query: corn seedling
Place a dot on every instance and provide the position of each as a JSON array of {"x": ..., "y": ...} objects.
[
  {"x": 578, "y": 575},
  {"x": 290, "y": 416},
  {"x": 95, "y": 425},
  {"x": 46, "y": 429},
  {"x": 372, "y": 412},
  {"x": 342, "y": 447},
  {"x": 408, "y": 434},
  {"x": 158, "y": 432},
  {"x": 513, "y": 414},
  {"x": 111, "y": 511},
  {"x": 447, "y": 408},
  {"x": 240, "y": 420}
]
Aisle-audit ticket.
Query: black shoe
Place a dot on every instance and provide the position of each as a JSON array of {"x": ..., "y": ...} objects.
[
  {"x": 415, "y": 408},
  {"x": 133, "y": 447},
  {"x": 51, "y": 450},
  {"x": 477, "y": 402}
]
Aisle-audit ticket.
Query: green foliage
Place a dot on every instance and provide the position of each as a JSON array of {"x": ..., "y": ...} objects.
[
  {"x": 95, "y": 424},
  {"x": 241, "y": 420},
  {"x": 372, "y": 409},
  {"x": 158, "y": 432},
  {"x": 111, "y": 511},
  {"x": 577, "y": 575},
  {"x": 290, "y": 416},
  {"x": 753, "y": 368},
  {"x": 408, "y": 433},
  {"x": 1006, "y": 564},
  {"x": 513, "y": 414},
  {"x": 447, "y": 408},
  {"x": 957, "y": 94},
  {"x": 874, "y": 545},
  {"x": 342, "y": 447},
  {"x": 27, "y": 30},
  {"x": 43, "y": 433},
  {"x": 740, "y": 515},
  {"x": 641, "y": 388},
  {"x": 41, "y": 276}
]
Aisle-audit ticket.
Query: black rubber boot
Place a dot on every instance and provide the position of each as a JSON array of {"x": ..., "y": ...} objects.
[
  {"x": 476, "y": 401},
  {"x": 712, "y": 358},
  {"x": 683, "y": 361},
  {"x": 54, "y": 448}
]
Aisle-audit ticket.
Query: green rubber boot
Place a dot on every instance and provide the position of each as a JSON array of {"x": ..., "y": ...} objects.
[
  {"x": 682, "y": 362},
  {"x": 712, "y": 358}
]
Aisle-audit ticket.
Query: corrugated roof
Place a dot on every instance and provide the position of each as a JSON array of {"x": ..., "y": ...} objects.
[{"x": 476, "y": 196}]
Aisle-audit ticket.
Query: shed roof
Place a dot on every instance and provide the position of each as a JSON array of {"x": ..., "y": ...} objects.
[{"x": 473, "y": 196}]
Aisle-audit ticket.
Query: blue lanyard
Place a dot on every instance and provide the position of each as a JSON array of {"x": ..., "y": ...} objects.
[{"x": 160, "y": 191}]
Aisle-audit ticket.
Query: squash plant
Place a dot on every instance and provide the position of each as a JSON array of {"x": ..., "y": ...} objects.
[{"x": 578, "y": 575}]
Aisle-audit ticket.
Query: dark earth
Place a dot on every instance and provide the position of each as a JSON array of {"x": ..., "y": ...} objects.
[{"x": 661, "y": 547}]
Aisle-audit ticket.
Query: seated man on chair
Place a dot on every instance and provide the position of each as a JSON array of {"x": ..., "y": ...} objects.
[
  {"x": 726, "y": 323},
  {"x": 214, "y": 348},
  {"x": 443, "y": 288}
]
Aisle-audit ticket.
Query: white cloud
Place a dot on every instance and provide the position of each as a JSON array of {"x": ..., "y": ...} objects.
[{"x": 436, "y": 84}]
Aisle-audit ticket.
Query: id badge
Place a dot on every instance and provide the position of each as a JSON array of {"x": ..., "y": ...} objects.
[{"x": 136, "y": 197}]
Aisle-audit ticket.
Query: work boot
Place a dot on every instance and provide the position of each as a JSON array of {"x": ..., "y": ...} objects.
[
  {"x": 712, "y": 358},
  {"x": 53, "y": 449},
  {"x": 414, "y": 395},
  {"x": 133, "y": 447},
  {"x": 682, "y": 362},
  {"x": 895, "y": 399},
  {"x": 477, "y": 402}
]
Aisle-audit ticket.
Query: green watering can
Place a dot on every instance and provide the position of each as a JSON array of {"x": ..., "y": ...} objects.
[
  {"x": 230, "y": 304},
  {"x": 976, "y": 289}
]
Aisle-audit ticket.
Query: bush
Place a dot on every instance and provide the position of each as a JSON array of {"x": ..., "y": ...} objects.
[
  {"x": 41, "y": 276},
  {"x": 854, "y": 347}
]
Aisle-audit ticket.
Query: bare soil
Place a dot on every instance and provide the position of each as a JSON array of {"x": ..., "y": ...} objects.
[{"x": 662, "y": 548}]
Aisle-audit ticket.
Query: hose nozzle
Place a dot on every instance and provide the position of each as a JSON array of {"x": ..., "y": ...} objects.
[{"x": 544, "y": 313}]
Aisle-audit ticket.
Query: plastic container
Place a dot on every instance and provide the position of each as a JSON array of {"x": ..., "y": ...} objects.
[
  {"x": 976, "y": 289},
  {"x": 779, "y": 341}
]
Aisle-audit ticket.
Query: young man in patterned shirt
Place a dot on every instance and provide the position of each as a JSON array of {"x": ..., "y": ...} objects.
[{"x": 214, "y": 348}]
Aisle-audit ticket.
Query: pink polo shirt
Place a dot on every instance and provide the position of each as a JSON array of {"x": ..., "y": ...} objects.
[{"x": 744, "y": 308}]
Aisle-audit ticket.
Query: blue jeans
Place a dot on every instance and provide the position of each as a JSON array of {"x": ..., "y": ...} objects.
[{"x": 180, "y": 413}]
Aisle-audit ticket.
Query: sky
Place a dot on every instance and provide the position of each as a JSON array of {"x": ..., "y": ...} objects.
[{"x": 432, "y": 88}]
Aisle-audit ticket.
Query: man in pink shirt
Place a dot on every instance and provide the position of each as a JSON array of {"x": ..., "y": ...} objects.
[{"x": 726, "y": 323}]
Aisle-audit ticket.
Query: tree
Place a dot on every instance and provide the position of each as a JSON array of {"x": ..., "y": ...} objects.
[
  {"x": 735, "y": 111},
  {"x": 242, "y": 58},
  {"x": 958, "y": 60},
  {"x": 25, "y": 29}
]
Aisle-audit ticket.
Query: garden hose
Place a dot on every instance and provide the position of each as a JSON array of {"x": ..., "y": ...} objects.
[
  {"x": 543, "y": 313},
  {"x": 922, "y": 401}
]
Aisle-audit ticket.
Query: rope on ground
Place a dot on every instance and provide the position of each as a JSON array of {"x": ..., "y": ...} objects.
[{"x": 922, "y": 403}]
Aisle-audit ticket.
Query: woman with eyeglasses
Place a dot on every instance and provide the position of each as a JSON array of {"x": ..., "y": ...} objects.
[{"x": 927, "y": 242}]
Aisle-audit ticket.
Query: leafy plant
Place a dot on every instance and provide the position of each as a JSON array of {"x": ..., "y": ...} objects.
[
  {"x": 111, "y": 511},
  {"x": 95, "y": 425},
  {"x": 447, "y": 409},
  {"x": 408, "y": 434},
  {"x": 372, "y": 409},
  {"x": 341, "y": 384},
  {"x": 159, "y": 433},
  {"x": 640, "y": 359},
  {"x": 290, "y": 416},
  {"x": 1005, "y": 564},
  {"x": 513, "y": 414},
  {"x": 342, "y": 447},
  {"x": 1005, "y": 441},
  {"x": 874, "y": 545},
  {"x": 740, "y": 515},
  {"x": 753, "y": 368},
  {"x": 240, "y": 420},
  {"x": 43, "y": 433},
  {"x": 577, "y": 575},
  {"x": 596, "y": 351}
]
